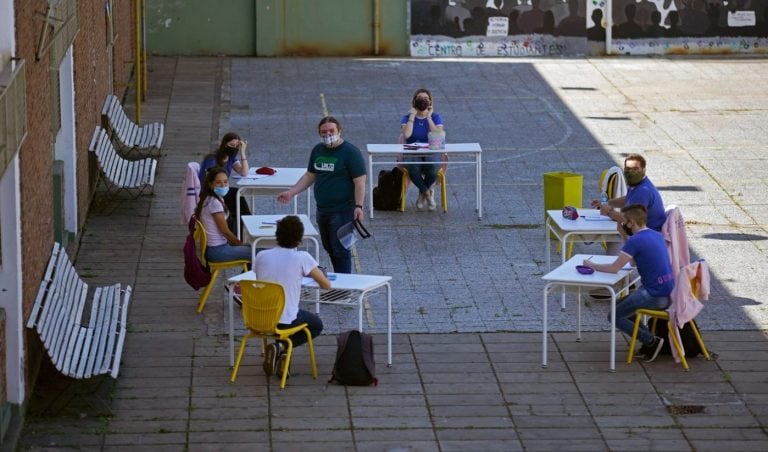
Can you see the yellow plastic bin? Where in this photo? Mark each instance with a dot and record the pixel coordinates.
(561, 189)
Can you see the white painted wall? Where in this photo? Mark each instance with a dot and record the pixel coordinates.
(10, 280)
(64, 147)
(10, 239)
(7, 37)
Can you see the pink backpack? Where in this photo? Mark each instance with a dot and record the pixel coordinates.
(195, 274)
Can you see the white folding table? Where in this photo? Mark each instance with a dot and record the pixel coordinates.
(259, 184)
(396, 150)
(262, 228)
(589, 227)
(566, 275)
(346, 290)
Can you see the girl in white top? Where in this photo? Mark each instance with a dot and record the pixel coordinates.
(222, 245)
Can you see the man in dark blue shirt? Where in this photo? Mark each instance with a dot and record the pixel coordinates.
(641, 191)
(648, 250)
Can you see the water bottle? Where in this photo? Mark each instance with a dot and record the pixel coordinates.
(603, 197)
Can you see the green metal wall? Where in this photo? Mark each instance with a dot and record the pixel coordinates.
(275, 27)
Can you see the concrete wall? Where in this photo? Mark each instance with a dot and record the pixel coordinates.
(435, 28)
(275, 27)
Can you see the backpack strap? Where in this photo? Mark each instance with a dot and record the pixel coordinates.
(341, 344)
(367, 345)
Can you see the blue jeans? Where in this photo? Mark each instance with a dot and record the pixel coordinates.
(423, 175)
(328, 224)
(227, 252)
(626, 307)
(314, 324)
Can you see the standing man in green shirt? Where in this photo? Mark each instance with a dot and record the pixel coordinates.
(337, 170)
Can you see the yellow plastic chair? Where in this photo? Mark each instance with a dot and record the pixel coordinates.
(263, 304)
(440, 180)
(201, 237)
(664, 315)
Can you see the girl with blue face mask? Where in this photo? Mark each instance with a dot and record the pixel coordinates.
(212, 212)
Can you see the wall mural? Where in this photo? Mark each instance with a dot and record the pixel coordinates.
(502, 28)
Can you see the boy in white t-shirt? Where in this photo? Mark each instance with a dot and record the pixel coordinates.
(287, 266)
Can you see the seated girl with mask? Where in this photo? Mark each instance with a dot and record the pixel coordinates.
(230, 155)
(212, 212)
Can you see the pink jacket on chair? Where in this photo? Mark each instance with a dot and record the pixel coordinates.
(685, 301)
(674, 234)
(190, 191)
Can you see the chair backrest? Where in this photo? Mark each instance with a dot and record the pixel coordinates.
(190, 191)
(612, 182)
(263, 304)
(201, 237)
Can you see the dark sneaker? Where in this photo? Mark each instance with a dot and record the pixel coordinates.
(654, 349)
(270, 357)
(280, 365)
(643, 351)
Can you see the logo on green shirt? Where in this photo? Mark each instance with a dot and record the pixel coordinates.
(326, 163)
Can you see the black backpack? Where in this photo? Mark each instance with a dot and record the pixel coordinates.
(687, 336)
(354, 360)
(386, 195)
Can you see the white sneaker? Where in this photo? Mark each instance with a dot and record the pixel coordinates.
(421, 202)
(431, 199)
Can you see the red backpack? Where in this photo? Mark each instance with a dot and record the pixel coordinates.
(195, 274)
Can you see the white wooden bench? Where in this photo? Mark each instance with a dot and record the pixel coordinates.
(77, 349)
(120, 173)
(130, 136)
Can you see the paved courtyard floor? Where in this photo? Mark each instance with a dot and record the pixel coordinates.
(467, 293)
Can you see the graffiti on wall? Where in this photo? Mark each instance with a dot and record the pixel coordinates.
(689, 18)
(500, 28)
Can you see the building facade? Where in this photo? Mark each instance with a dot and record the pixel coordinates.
(58, 61)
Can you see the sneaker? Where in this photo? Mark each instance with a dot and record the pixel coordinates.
(420, 203)
(431, 199)
(643, 352)
(270, 358)
(654, 349)
(280, 365)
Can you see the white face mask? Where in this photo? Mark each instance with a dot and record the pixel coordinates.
(328, 140)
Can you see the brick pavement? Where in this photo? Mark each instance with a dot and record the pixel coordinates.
(475, 381)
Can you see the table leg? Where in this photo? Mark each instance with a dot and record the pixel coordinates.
(370, 186)
(237, 213)
(231, 325)
(479, 187)
(564, 244)
(544, 329)
(317, 247)
(389, 325)
(613, 329)
(578, 315)
(360, 312)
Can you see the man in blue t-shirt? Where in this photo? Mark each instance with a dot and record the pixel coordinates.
(648, 250)
(640, 191)
(337, 170)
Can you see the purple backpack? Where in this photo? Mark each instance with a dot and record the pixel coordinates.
(195, 274)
